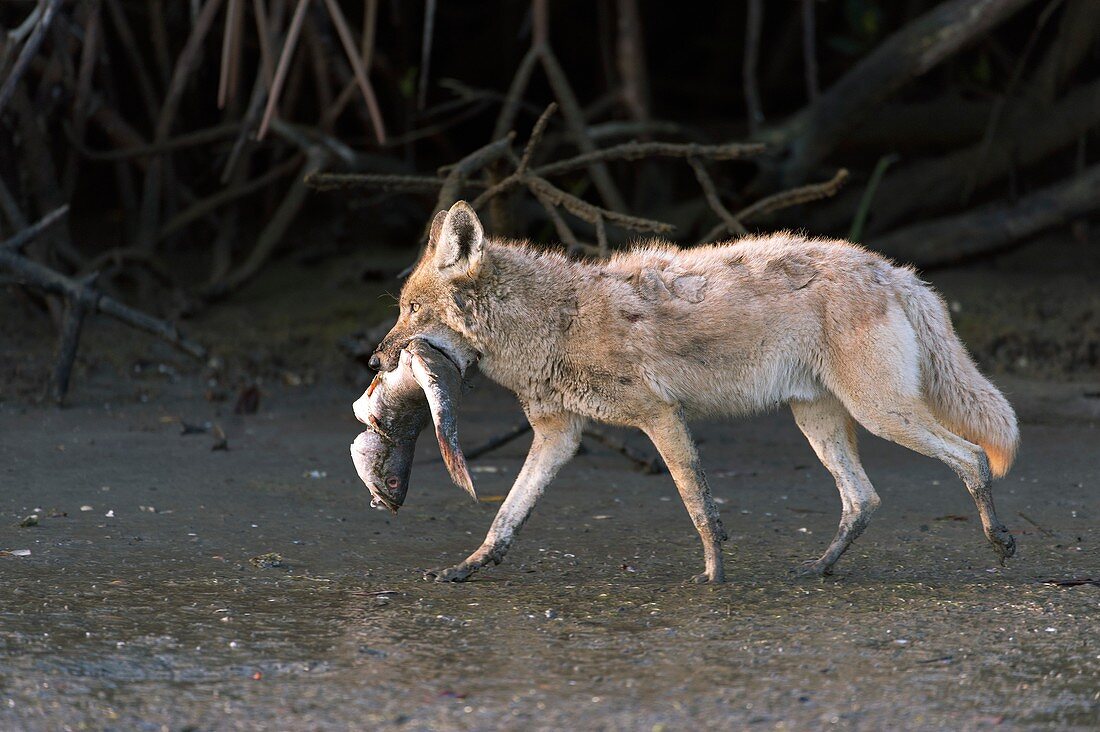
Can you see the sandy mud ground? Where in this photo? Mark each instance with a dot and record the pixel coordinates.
(141, 605)
(147, 601)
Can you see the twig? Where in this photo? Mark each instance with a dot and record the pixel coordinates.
(231, 52)
(753, 24)
(344, 32)
(513, 99)
(855, 233)
(515, 432)
(68, 342)
(189, 55)
(203, 207)
(640, 150)
(536, 137)
(794, 197)
(809, 50)
(289, 45)
(733, 226)
(426, 53)
(82, 298)
(783, 199)
(190, 139)
(649, 463)
(17, 242)
(30, 48)
(1044, 531)
(272, 234)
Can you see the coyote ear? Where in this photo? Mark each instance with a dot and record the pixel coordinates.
(442, 388)
(436, 228)
(460, 243)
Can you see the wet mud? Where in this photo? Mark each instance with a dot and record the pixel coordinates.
(139, 605)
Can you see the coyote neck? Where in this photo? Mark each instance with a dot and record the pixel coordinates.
(519, 314)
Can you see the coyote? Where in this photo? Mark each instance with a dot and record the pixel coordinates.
(658, 335)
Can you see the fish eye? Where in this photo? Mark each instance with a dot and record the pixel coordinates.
(392, 482)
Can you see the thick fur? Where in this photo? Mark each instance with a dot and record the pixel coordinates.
(658, 334)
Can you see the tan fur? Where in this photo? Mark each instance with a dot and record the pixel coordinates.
(659, 334)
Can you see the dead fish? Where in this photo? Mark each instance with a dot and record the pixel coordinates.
(396, 407)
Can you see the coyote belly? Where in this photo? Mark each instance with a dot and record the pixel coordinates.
(658, 335)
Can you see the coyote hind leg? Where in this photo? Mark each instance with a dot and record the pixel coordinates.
(911, 424)
(831, 433)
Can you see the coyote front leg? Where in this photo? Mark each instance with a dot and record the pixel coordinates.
(555, 442)
(670, 436)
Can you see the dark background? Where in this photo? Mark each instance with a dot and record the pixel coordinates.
(145, 119)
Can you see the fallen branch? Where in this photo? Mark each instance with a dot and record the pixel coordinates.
(23, 61)
(650, 463)
(918, 47)
(994, 228)
(80, 298)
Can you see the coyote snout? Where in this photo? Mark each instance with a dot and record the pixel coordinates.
(658, 335)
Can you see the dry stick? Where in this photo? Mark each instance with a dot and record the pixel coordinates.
(151, 192)
(578, 128)
(69, 340)
(519, 430)
(231, 47)
(370, 22)
(809, 50)
(356, 62)
(88, 53)
(732, 225)
(289, 45)
(137, 63)
(11, 208)
(753, 23)
(380, 181)
(650, 463)
(29, 233)
(317, 55)
(212, 203)
(783, 199)
(1002, 100)
(639, 150)
(30, 48)
(272, 234)
(536, 137)
(602, 248)
(189, 139)
(630, 59)
(794, 197)
(425, 53)
(513, 99)
(263, 33)
(566, 234)
(16, 35)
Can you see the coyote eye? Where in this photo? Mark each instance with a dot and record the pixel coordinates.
(414, 306)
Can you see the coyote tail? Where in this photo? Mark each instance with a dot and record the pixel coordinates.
(960, 397)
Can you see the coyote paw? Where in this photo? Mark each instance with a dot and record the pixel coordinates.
(706, 579)
(457, 573)
(813, 568)
(1002, 542)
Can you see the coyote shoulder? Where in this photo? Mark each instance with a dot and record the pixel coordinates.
(658, 335)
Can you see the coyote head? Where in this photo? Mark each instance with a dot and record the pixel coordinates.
(431, 301)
